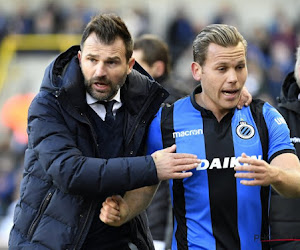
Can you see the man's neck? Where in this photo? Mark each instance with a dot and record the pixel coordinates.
(208, 105)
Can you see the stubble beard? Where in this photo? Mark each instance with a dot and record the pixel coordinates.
(103, 95)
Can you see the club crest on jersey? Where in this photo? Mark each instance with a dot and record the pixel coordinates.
(245, 130)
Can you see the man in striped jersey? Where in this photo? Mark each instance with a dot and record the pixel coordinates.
(224, 205)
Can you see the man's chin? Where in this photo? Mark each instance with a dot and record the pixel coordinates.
(103, 96)
(100, 96)
(231, 105)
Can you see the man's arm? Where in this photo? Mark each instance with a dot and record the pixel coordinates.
(283, 173)
(116, 210)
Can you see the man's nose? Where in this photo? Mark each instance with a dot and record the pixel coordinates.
(232, 76)
(100, 70)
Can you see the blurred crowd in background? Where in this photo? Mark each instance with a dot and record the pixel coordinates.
(271, 50)
(271, 55)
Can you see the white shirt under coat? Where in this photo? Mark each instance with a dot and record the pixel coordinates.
(99, 108)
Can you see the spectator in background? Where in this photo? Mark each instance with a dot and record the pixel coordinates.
(285, 213)
(22, 21)
(180, 34)
(283, 43)
(152, 53)
(137, 20)
(13, 116)
(46, 19)
(76, 18)
(225, 14)
(3, 25)
(282, 62)
(256, 82)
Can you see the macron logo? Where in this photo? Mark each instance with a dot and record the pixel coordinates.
(188, 133)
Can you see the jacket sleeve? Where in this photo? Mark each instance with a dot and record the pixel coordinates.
(53, 146)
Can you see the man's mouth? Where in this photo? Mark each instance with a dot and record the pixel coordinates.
(229, 92)
(101, 85)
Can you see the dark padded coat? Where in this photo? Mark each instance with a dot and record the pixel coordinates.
(63, 178)
(285, 213)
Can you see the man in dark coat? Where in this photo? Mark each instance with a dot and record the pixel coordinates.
(81, 148)
(285, 213)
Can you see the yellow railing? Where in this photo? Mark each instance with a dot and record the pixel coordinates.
(13, 43)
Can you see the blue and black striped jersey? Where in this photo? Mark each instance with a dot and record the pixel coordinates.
(212, 210)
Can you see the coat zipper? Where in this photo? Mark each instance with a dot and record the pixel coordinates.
(39, 215)
(90, 208)
(84, 225)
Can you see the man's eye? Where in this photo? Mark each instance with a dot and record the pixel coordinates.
(111, 62)
(92, 59)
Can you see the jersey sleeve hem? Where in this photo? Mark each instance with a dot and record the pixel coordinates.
(282, 152)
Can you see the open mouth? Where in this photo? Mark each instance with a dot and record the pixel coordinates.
(101, 85)
(230, 92)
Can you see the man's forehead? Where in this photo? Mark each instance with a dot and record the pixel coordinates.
(95, 47)
(217, 52)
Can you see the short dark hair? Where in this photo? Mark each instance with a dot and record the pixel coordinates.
(108, 27)
(220, 34)
(154, 49)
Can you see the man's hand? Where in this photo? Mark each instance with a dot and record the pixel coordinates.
(170, 165)
(245, 99)
(259, 171)
(114, 211)
(283, 173)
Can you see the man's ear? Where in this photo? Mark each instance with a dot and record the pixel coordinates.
(196, 71)
(130, 65)
(159, 68)
(79, 56)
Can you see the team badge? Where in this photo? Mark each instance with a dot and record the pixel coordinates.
(244, 130)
